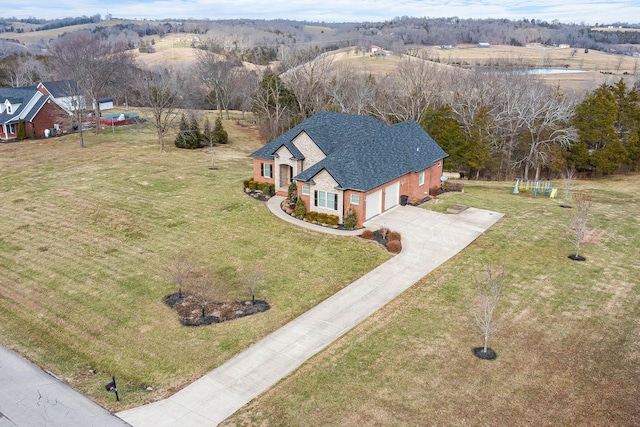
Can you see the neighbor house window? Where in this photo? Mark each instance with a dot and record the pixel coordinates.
(421, 178)
(9, 109)
(12, 129)
(265, 170)
(305, 190)
(355, 199)
(325, 199)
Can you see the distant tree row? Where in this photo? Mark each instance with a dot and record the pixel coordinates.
(493, 124)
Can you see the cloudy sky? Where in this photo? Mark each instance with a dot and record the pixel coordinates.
(587, 11)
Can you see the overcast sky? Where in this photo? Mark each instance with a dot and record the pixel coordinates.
(587, 11)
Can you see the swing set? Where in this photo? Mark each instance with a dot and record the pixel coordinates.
(535, 186)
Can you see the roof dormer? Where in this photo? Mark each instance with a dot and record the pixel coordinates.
(9, 107)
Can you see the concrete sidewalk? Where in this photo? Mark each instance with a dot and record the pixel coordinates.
(31, 397)
(428, 238)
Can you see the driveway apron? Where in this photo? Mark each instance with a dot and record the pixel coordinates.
(428, 239)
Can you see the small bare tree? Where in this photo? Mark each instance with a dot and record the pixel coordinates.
(253, 279)
(204, 286)
(578, 220)
(567, 184)
(179, 270)
(490, 289)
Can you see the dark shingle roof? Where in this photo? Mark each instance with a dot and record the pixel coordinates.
(61, 88)
(19, 97)
(361, 151)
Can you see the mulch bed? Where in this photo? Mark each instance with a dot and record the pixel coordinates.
(258, 195)
(481, 354)
(189, 309)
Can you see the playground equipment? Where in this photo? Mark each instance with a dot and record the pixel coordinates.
(535, 186)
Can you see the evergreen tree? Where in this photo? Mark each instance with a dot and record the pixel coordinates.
(195, 136)
(207, 134)
(608, 124)
(447, 133)
(21, 132)
(183, 132)
(220, 136)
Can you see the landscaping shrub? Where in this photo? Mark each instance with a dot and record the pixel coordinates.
(393, 236)
(394, 246)
(322, 218)
(312, 215)
(266, 188)
(300, 208)
(367, 234)
(292, 191)
(350, 219)
(253, 185)
(246, 182)
(332, 219)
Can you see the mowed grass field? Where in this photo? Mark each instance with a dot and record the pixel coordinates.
(568, 347)
(85, 235)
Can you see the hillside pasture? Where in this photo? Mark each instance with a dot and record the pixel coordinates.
(568, 345)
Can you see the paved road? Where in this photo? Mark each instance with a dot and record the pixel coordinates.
(30, 397)
(428, 238)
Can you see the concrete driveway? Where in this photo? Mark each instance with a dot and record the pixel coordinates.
(428, 238)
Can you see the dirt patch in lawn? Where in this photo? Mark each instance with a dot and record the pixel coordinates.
(193, 311)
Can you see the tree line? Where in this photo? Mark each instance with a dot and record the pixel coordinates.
(494, 124)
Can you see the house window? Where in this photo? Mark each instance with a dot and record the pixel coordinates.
(265, 170)
(421, 178)
(325, 199)
(355, 199)
(305, 190)
(12, 129)
(9, 109)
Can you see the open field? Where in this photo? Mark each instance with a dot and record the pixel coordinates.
(568, 349)
(84, 236)
(596, 67)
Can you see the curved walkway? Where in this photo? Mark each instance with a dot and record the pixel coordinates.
(274, 204)
(428, 238)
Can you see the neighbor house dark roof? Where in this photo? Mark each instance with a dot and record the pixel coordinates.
(61, 88)
(361, 152)
(26, 102)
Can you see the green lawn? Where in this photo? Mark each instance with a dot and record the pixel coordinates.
(85, 235)
(568, 348)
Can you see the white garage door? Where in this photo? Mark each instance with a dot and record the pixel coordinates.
(374, 204)
(391, 195)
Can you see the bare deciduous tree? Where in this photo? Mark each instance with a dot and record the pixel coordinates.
(179, 271)
(546, 115)
(24, 71)
(204, 287)
(92, 63)
(578, 220)
(490, 288)
(308, 82)
(216, 74)
(253, 279)
(157, 91)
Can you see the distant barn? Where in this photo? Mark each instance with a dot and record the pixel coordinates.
(484, 45)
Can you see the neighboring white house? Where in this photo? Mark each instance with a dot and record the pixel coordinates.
(484, 45)
(65, 93)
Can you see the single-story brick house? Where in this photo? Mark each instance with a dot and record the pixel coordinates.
(341, 161)
(36, 110)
